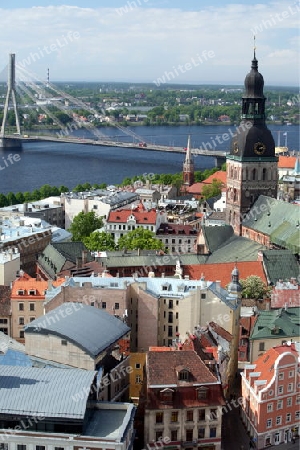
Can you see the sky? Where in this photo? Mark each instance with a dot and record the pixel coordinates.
(154, 41)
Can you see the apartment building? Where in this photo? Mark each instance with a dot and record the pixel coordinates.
(271, 396)
(182, 401)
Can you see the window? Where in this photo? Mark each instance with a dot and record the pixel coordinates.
(170, 317)
(117, 306)
(278, 420)
(158, 435)
(21, 306)
(212, 432)
(31, 319)
(138, 379)
(289, 401)
(261, 346)
(201, 433)
(21, 447)
(174, 416)
(170, 304)
(3, 446)
(202, 393)
(291, 374)
(279, 404)
(280, 389)
(183, 375)
(137, 366)
(201, 414)
(31, 292)
(270, 407)
(297, 399)
(297, 415)
(269, 423)
(203, 296)
(59, 448)
(189, 435)
(288, 417)
(21, 321)
(103, 305)
(64, 342)
(174, 434)
(170, 331)
(40, 447)
(290, 387)
(21, 334)
(159, 417)
(190, 416)
(281, 376)
(21, 292)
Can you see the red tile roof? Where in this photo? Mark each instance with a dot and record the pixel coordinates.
(220, 175)
(222, 271)
(141, 216)
(161, 368)
(29, 284)
(286, 162)
(221, 332)
(265, 363)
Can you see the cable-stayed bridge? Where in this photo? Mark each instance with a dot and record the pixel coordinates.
(28, 86)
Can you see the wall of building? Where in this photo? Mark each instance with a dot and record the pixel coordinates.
(9, 267)
(51, 347)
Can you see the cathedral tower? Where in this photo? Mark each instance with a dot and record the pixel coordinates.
(251, 164)
(188, 166)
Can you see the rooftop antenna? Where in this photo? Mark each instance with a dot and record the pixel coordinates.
(48, 76)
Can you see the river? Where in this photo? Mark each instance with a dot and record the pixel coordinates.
(67, 164)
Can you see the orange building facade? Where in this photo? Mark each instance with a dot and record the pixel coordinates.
(271, 396)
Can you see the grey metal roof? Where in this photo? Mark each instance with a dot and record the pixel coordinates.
(44, 392)
(109, 423)
(90, 328)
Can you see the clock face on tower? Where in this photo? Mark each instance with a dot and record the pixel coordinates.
(259, 148)
(235, 147)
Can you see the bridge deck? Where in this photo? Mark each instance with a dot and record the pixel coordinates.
(110, 143)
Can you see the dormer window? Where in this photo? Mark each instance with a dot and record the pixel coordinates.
(202, 393)
(166, 395)
(21, 292)
(183, 373)
(32, 292)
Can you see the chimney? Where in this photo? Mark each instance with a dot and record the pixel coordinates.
(268, 304)
(50, 287)
(260, 256)
(84, 256)
(218, 285)
(78, 262)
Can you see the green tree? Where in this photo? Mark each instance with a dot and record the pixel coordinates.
(63, 189)
(11, 198)
(20, 197)
(140, 238)
(254, 287)
(213, 189)
(3, 201)
(100, 241)
(84, 224)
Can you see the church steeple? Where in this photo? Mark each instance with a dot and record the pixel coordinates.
(252, 163)
(188, 166)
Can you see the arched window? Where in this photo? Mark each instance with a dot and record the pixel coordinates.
(254, 174)
(264, 174)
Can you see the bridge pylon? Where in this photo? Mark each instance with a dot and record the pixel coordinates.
(8, 142)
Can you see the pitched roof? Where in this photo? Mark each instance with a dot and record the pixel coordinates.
(286, 162)
(215, 237)
(55, 255)
(44, 392)
(32, 284)
(141, 216)
(220, 175)
(265, 363)
(162, 368)
(222, 271)
(277, 324)
(87, 327)
(280, 265)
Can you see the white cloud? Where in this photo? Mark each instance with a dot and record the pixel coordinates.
(144, 43)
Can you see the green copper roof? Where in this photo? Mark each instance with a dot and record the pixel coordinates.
(277, 323)
(277, 219)
(280, 265)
